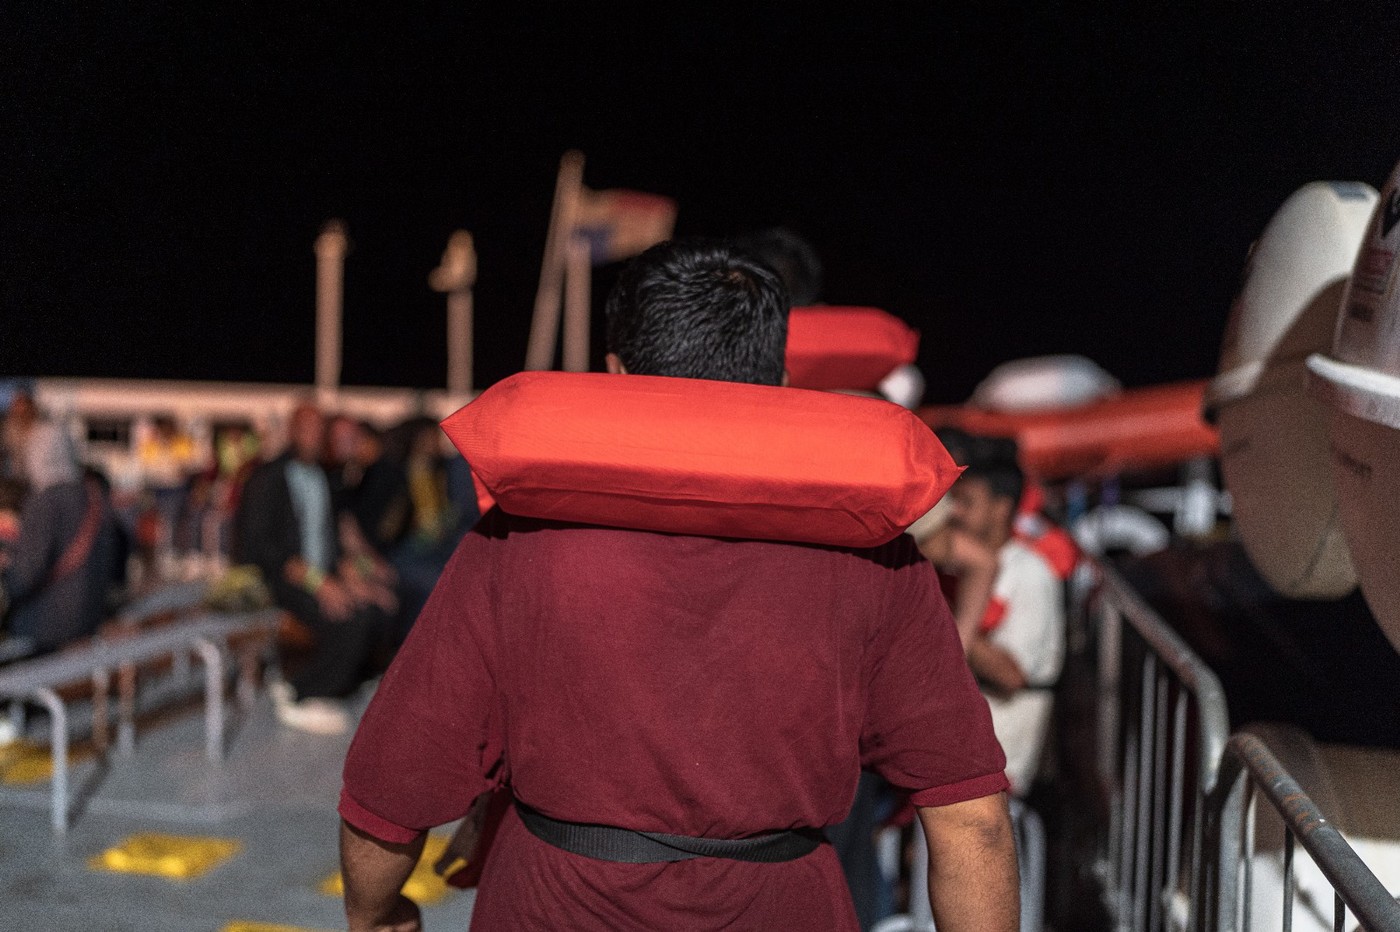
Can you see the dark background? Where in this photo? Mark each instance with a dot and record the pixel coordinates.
(1040, 179)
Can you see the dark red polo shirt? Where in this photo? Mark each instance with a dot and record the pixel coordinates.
(675, 684)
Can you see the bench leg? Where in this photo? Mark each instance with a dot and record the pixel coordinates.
(126, 710)
(213, 658)
(101, 689)
(58, 724)
(248, 676)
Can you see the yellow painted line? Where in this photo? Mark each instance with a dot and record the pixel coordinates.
(423, 886)
(175, 857)
(241, 926)
(24, 762)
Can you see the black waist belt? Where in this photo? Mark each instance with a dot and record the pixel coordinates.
(607, 843)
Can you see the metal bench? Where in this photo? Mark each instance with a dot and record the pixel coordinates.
(42, 680)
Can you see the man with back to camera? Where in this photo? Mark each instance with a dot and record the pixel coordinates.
(1019, 651)
(693, 686)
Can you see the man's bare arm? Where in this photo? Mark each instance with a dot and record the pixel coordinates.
(374, 873)
(995, 666)
(973, 882)
(975, 566)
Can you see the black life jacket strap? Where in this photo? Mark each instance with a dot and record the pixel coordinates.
(607, 843)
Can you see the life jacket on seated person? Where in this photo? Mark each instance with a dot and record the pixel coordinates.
(691, 456)
(1052, 542)
(846, 348)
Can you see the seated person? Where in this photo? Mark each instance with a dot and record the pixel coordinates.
(286, 527)
(57, 576)
(1019, 649)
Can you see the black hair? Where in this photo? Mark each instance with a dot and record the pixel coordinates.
(991, 459)
(792, 257)
(699, 310)
(957, 442)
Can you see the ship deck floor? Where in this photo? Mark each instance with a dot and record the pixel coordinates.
(275, 793)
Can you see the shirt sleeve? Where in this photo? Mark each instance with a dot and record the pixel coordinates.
(431, 740)
(1033, 628)
(927, 728)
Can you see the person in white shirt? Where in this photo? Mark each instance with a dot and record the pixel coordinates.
(1019, 650)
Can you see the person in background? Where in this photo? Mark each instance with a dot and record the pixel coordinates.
(20, 418)
(376, 490)
(338, 457)
(11, 498)
(286, 526)
(63, 564)
(435, 520)
(792, 258)
(1018, 649)
(206, 521)
(169, 459)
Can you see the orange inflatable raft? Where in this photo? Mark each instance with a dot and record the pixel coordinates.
(1140, 428)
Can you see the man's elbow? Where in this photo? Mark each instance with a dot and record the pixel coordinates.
(981, 824)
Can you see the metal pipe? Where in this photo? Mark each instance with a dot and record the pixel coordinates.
(920, 908)
(578, 285)
(101, 712)
(1247, 816)
(213, 658)
(126, 710)
(331, 247)
(58, 788)
(1146, 720)
(1178, 769)
(1287, 880)
(1159, 809)
(1189, 669)
(1352, 880)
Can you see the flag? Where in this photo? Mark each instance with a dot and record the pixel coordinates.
(618, 224)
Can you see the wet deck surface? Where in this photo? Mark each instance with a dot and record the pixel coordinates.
(275, 793)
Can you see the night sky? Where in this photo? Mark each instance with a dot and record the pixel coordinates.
(1031, 181)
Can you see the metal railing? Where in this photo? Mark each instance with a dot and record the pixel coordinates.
(1179, 853)
(41, 681)
(1251, 771)
(1162, 728)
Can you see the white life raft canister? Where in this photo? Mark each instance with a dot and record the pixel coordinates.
(1273, 435)
(1360, 381)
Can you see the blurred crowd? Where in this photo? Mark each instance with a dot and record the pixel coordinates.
(73, 548)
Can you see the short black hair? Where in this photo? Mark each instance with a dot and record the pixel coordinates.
(701, 310)
(991, 459)
(792, 257)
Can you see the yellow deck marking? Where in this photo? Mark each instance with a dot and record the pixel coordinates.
(241, 926)
(176, 857)
(423, 886)
(26, 762)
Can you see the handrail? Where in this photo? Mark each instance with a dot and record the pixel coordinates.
(1154, 716)
(1213, 712)
(1354, 883)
